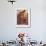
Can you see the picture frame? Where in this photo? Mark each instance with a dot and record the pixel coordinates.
(23, 17)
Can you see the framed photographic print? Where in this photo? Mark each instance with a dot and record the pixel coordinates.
(23, 16)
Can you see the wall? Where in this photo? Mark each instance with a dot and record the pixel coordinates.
(8, 28)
